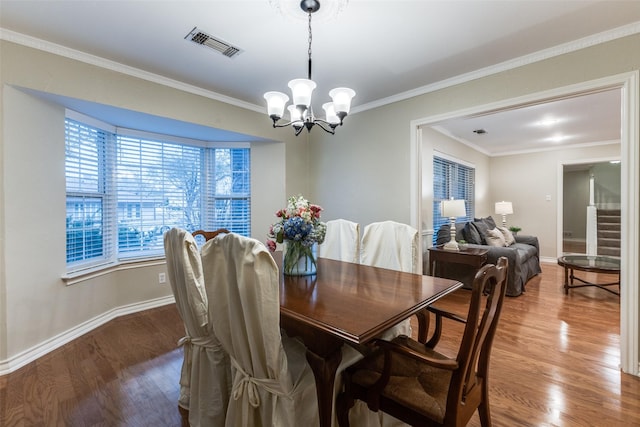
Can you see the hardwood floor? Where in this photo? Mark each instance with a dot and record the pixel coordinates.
(554, 363)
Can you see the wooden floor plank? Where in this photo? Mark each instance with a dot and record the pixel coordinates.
(555, 362)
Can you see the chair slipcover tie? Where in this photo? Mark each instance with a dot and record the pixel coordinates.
(207, 341)
(245, 383)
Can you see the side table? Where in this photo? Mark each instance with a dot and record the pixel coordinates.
(475, 257)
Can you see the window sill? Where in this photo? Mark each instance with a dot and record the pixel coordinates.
(91, 273)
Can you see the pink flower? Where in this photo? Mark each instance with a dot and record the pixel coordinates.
(316, 210)
(271, 245)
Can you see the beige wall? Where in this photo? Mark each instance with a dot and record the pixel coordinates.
(35, 304)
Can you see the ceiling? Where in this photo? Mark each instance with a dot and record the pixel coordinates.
(385, 50)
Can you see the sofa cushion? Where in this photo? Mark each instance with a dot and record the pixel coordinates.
(444, 233)
(495, 237)
(525, 251)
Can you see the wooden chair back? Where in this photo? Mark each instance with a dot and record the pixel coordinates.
(208, 235)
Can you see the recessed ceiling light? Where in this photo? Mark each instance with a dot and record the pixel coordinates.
(547, 122)
(558, 138)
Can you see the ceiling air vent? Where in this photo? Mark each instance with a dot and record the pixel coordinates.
(218, 45)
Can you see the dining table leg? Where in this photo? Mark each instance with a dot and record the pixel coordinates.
(324, 367)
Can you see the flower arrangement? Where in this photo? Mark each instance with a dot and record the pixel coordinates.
(300, 227)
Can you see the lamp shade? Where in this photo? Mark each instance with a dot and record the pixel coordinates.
(504, 208)
(294, 113)
(275, 103)
(301, 90)
(341, 97)
(330, 111)
(452, 208)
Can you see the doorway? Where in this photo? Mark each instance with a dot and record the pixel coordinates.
(630, 191)
(579, 180)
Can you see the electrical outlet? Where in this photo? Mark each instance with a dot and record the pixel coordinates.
(162, 278)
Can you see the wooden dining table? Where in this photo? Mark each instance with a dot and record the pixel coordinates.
(348, 303)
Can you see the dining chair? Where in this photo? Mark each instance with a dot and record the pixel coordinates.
(205, 378)
(273, 384)
(418, 385)
(391, 245)
(342, 241)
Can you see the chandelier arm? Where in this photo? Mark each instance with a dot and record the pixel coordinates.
(322, 125)
(284, 125)
(333, 125)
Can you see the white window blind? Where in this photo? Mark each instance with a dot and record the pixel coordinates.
(228, 200)
(88, 186)
(119, 205)
(158, 187)
(452, 180)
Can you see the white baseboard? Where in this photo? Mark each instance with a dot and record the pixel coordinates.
(39, 350)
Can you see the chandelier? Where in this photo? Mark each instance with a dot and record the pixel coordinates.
(301, 112)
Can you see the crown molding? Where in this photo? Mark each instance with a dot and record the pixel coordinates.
(568, 47)
(557, 148)
(562, 49)
(524, 151)
(66, 52)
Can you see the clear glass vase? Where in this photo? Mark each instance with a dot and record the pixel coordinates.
(298, 259)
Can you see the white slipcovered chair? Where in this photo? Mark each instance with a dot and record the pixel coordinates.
(391, 245)
(205, 379)
(342, 241)
(273, 384)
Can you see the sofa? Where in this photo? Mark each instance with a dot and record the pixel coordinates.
(523, 252)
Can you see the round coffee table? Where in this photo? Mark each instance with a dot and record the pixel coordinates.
(589, 263)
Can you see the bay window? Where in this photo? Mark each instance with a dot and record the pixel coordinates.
(125, 188)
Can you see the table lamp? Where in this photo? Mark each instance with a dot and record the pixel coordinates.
(504, 208)
(452, 209)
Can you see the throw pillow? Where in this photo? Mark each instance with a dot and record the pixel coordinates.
(488, 220)
(483, 230)
(495, 238)
(471, 234)
(508, 236)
